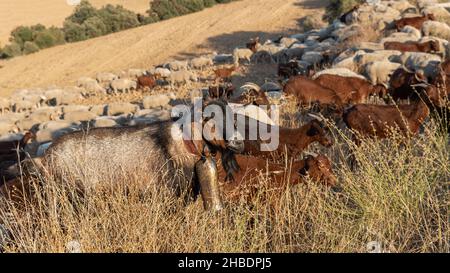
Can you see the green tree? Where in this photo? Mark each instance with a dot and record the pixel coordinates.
(116, 18)
(82, 12)
(11, 50)
(21, 35)
(94, 27)
(30, 47)
(74, 32)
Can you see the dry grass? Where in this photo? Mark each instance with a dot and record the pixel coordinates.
(397, 195)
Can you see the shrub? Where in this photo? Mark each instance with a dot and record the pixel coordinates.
(11, 50)
(116, 18)
(74, 32)
(82, 12)
(337, 7)
(21, 35)
(30, 47)
(45, 39)
(94, 27)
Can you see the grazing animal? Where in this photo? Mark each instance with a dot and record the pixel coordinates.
(292, 141)
(376, 121)
(416, 21)
(160, 150)
(217, 92)
(225, 73)
(308, 91)
(401, 84)
(146, 81)
(247, 181)
(350, 89)
(253, 45)
(431, 46)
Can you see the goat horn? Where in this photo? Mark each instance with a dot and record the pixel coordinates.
(424, 85)
(316, 117)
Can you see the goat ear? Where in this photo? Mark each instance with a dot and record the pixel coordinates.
(312, 131)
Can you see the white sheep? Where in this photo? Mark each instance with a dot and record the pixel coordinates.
(437, 29)
(5, 105)
(380, 72)
(400, 37)
(376, 56)
(73, 108)
(201, 62)
(182, 77)
(79, 116)
(118, 108)
(313, 57)
(99, 110)
(156, 101)
(348, 63)
(102, 122)
(149, 118)
(7, 127)
(344, 72)
(105, 77)
(90, 85)
(23, 106)
(288, 42)
(423, 62)
(123, 85)
(132, 73)
(412, 30)
(177, 65)
(242, 54)
(161, 71)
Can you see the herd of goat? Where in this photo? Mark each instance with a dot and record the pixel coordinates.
(332, 69)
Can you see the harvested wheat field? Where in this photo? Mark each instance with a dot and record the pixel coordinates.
(92, 159)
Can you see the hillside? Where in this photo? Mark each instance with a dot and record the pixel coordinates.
(220, 28)
(49, 12)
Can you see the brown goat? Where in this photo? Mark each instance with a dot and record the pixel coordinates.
(350, 89)
(292, 141)
(247, 180)
(376, 120)
(253, 44)
(225, 73)
(416, 21)
(401, 84)
(308, 91)
(411, 46)
(146, 81)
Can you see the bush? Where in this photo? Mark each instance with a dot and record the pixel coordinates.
(21, 35)
(74, 32)
(11, 50)
(94, 27)
(82, 12)
(116, 18)
(30, 47)
(337, 7)
(166, 9)
(45, 39)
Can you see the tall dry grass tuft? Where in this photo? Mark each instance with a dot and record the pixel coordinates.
(397, 195)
